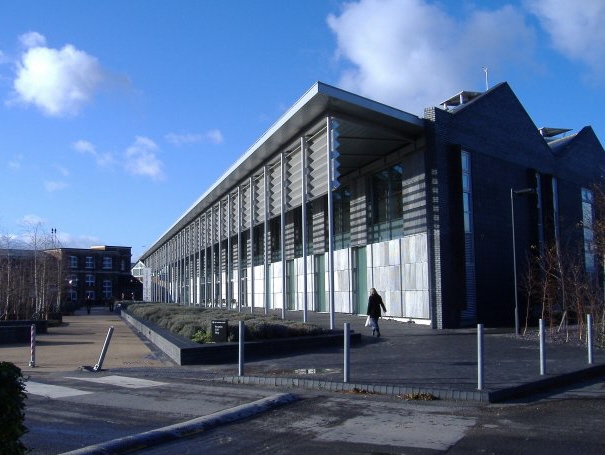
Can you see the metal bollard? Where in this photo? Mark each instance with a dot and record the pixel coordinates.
(479, 356)
(242, 332)
(32, 351)
(542, 358)
(99, 364)
(347, 349)
(589, 338)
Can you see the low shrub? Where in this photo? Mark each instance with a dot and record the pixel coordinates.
(12, 406)
(195, 323)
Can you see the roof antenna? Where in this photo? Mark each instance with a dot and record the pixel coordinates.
(486, 70)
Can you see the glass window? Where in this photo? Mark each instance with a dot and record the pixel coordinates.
(588, 227)
(107, 262)
(107, 289)
(386, 208)
(90, 279)
(467, 208)
(90, 262)
(342, 218)
(73, 262)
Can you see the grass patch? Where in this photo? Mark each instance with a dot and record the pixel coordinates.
(195, 323)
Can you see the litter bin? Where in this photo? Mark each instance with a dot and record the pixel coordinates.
(220, 331)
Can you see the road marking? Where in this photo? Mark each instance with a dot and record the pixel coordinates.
(52, 391)
(122, 381)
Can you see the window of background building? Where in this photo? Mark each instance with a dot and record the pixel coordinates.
(107, 289)
(73, 262)
(90, 295)
(587, 224)
(386, 207)
(90, 262)
(90, 279)
(466, 192)
(107, 262)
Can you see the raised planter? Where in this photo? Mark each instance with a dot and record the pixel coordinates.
(186, 352)
(20, 331)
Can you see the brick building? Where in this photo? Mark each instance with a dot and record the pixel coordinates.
(343, 194)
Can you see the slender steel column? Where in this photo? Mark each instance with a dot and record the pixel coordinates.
(229, 265)
(239, 248)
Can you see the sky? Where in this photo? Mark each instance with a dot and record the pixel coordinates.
(115, 116)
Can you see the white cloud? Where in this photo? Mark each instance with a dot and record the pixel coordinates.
(412, 54)
(576, 30)
(32, 220)
(212, 136)
(57, 81)
(52, 186)
(15, 162)
(103, 159)
(141, 159)
(32, 39)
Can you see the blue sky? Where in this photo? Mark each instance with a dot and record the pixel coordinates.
(116, 116)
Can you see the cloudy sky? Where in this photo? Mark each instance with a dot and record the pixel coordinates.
(116, 116)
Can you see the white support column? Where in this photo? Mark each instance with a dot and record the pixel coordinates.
(303, 170)
(221, 280)
(283, 235)
(251, 244)
(239, 248)
(267, 204)
(330, 221)
(228, 273)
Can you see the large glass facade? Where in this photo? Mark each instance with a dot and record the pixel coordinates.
(342, 218)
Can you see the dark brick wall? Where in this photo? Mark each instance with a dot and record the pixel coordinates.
(506, 152)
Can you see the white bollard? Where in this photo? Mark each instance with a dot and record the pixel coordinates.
(32, 351)
(347, 349)
(479, 356)
(589, 338)
(242, 332)
(99, 364)
(542, 357)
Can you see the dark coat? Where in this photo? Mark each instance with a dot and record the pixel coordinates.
(375, 303)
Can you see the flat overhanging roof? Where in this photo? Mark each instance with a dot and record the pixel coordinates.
(320, 101)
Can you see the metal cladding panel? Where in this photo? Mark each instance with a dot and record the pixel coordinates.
(318, 166)
(293, 179)
(259, 200)
(275, 190)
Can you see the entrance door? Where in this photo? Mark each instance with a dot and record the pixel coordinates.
(359, 280)
(320, 282)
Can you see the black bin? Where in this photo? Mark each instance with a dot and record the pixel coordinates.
(220, 331)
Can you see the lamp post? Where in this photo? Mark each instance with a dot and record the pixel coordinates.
(512, 215)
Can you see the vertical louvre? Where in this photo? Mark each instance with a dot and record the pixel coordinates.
(233, 213)
(246, 210)
(275, 190)
(318, 165)
(259, 200)
(224, 217)
(293, 179)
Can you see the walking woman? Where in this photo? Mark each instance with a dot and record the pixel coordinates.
(375, 304)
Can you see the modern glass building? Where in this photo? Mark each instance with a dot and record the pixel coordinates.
(344, 193)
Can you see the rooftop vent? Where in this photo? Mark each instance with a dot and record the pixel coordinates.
(459, 99)
(550, 133)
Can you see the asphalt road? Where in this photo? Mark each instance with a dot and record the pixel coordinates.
(68, 411)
